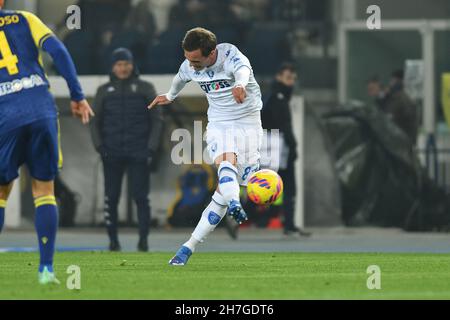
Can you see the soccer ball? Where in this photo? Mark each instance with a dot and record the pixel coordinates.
(264, 187)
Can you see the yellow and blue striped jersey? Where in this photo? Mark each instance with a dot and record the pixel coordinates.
(24, 88)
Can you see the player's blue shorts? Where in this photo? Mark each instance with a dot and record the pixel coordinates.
(36, 145)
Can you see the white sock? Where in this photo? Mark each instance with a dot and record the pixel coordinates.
(211, 217)
(228, 183)
(191, 243)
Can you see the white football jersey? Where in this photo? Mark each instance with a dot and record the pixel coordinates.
(217, 81)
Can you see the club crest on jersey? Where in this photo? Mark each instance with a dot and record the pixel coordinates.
(210, 73)
(209, 86)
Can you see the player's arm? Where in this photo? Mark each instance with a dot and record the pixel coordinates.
(239, 65)
(96, 123)
(45, 39)
(241, 77)
(178, 83)
(156, 123)
(65, 66)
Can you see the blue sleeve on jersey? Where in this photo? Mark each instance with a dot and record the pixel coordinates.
(65, 66)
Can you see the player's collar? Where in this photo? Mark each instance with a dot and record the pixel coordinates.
(217, 59)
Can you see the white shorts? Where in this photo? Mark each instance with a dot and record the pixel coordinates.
(242, 137)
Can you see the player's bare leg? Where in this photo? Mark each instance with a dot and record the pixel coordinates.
(5, 190)
(46, 223)
(42, 188)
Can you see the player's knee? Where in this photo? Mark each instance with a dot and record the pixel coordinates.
(219, 199)
(3, 193)
(5, 190)
(226, 157)
(226, 166)
(227, 172)
(42, 188)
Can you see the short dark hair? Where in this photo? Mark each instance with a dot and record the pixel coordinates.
(199, 38)
(286, 66)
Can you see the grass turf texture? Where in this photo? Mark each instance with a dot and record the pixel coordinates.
(107, 275)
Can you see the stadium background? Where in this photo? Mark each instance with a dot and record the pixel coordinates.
(309, 33)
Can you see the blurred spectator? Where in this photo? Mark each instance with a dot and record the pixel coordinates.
(223, 18)
(221, 14)
(276, 114)
(136, 34)
(396, 103)
(286, 10)
(76, 43)
(265, 45)
(141, 19)
(375, 90)
(97, 14)
(110, 24)
(187, 14)
(107, 25)
(100, 13)
(126, 135)
(252, 10)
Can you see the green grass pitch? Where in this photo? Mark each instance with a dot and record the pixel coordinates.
(107, 275)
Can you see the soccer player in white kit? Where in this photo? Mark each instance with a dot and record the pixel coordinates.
(234, 130)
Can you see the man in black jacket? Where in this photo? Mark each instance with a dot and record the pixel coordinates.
(394, 101)
(126, 135)
(277, 115)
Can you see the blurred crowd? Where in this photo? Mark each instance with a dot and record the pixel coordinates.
(255, 26)
(395, 102)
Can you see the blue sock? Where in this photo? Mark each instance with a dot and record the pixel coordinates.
(2, 213)
(46, 223)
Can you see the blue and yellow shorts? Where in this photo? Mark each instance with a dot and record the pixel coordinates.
(36, 145)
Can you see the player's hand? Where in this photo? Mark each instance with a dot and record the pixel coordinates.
(239, 94)
(160, 100)
(82, 110)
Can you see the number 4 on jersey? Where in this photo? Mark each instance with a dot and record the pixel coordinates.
(8, 59)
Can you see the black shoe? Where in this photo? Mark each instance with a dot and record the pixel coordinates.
(114, 246)
(232, 227)
(142, 245)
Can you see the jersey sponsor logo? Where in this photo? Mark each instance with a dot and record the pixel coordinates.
(21, 84)
(210, 73)
(209, 86)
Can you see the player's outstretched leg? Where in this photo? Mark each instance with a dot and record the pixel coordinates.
(46, 223)
(229, 188)
(211, 217)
